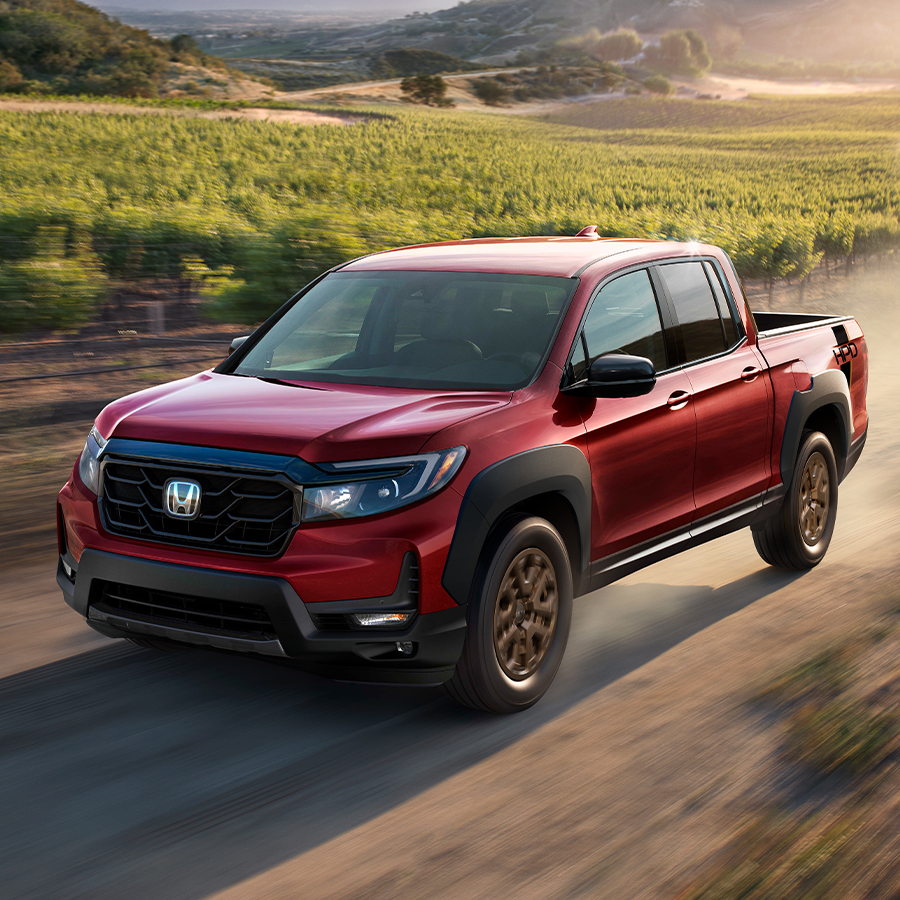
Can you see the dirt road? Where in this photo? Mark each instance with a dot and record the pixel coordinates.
(135, 774)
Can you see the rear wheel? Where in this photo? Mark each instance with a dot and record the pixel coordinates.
(517, 622)
(798, 535)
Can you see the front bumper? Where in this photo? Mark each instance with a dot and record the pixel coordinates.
(431, 644)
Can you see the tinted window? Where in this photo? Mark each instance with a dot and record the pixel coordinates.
(695, 308)
(624, 318)
(731, 334)
(415, 329)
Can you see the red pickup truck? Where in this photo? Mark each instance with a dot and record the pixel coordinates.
(409, 471)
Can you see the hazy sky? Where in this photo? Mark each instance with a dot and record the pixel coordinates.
(387, 7)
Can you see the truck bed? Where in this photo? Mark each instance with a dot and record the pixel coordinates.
(770, 323)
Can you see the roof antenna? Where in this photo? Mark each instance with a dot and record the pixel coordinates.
(588, 231)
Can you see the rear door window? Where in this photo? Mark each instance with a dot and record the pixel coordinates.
(695, 309)
(731, 333)
(624, 318)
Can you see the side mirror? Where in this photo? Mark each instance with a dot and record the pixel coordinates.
(616, 375)
(237, 343)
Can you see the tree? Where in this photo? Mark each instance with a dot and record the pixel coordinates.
(615, 46)
(680, 52)
(490, 91)
(428, 89)
(186, 49)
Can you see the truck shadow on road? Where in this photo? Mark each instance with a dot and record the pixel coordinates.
(147, 774)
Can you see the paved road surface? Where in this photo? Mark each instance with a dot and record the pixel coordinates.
(130, 773)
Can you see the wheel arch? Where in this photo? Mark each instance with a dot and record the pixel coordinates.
(824, 407)
(553, 483)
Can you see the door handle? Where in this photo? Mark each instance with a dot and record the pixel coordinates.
(750, 373)
(678, 400)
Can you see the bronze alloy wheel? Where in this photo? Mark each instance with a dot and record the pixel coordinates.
(798, 534)
(814, 496)
(525, 614)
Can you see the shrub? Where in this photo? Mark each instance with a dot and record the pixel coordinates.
(53, 289)
(658, 84)
(268, 271)
(10, 76)
(490, 91)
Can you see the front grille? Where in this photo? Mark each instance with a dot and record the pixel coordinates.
(225, 617)
(240, 512)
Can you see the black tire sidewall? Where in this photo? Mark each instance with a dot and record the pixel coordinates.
(500, 692)
(813, 442)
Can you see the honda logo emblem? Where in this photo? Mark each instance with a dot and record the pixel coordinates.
(182, 499)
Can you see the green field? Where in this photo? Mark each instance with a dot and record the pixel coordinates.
(264, 206)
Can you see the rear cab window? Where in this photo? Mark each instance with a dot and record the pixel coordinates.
(705, 317)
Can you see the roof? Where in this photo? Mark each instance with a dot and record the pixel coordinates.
(560, 256)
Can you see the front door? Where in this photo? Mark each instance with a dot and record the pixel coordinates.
(641, 448)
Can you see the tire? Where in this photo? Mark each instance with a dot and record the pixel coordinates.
(518, 620)
(149, 643)
(799, 534)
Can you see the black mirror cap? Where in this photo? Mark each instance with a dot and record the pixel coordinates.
(236, 343)
(617, 367)
(616, 375)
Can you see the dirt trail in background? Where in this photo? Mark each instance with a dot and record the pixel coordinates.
(194, 775)
(732, 87)
(724, 87)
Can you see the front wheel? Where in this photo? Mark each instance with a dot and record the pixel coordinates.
(517, 622)
(799, 534)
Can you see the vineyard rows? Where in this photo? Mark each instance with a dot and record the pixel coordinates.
(254, 209)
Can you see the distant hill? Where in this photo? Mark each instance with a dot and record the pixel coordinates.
(488, 31)
(63, 46)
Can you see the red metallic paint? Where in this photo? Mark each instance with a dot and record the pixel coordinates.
(732, 400)
(320, 422)
(645, 459)
(642, 463)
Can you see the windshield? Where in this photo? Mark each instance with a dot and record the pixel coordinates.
(415, 329)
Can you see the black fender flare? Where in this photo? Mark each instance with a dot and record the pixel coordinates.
(828, 388)
(558, 469)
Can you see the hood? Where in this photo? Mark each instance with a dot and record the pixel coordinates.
(320, 423)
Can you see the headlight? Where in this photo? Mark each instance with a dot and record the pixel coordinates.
(381, 485)
(89, 462)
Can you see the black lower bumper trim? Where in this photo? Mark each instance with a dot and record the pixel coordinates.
(425, 652)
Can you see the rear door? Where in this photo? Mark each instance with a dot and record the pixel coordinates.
(641, 448)
(729, 384)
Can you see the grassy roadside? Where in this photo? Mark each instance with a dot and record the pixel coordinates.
(831, 833)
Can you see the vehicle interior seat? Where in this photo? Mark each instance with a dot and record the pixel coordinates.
(443, 327)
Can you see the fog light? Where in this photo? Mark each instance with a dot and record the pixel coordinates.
(382, 618)
(405, 647)
(70, 572)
